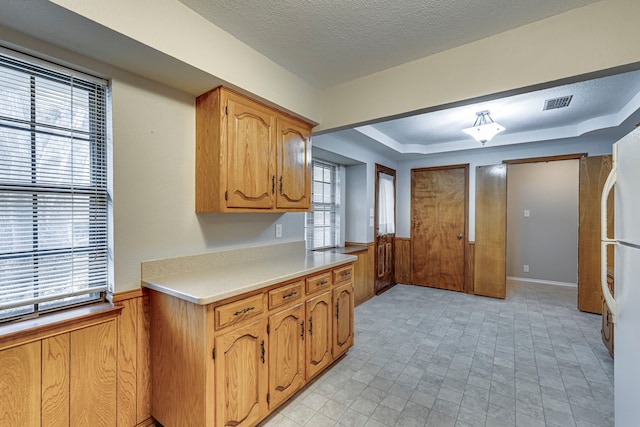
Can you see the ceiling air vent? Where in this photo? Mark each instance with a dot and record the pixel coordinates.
(555, 103)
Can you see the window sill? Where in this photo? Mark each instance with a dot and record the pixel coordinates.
(23, 332)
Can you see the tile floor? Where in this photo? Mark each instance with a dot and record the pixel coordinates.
(427, 357)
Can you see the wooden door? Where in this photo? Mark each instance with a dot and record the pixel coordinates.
(438, 226)
(593, 174)
(342, 319)
(491, 231)
(384, 259)
(294, 165)
(251, 133)
(318, 340)
(241, 376)
(286, 354)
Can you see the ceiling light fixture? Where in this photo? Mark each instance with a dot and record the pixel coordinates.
(484, 128)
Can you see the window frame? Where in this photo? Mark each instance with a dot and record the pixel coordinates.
(92, 198)
(333, 207)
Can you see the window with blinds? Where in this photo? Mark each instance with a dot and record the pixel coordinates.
(53, 187)
(322, 223)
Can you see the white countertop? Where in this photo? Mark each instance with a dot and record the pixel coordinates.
(215, 284)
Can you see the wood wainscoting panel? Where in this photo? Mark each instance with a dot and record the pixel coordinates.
(19, 371)
(55, 380)
(593, 174)
(403, 260)
(491, 231)
(143, 388)
(127, 363)
(470, 267)
(92, 376)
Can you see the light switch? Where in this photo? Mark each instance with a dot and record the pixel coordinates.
(371, 212)
(525, 268)
(278, 230)
(527, 214)
(370, 222)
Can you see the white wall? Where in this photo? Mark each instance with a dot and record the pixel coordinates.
(546, 240)
(357, 210)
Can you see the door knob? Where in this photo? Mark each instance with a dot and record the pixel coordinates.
(459, 236)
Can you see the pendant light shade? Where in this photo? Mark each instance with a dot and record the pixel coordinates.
(484, 128)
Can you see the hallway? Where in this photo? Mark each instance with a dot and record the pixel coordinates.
(425, 356)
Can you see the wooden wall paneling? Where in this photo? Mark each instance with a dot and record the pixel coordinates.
(127, 363)
(491, 231)
(470, 268)
(55, 381)
(360, 289)
(371, 269)
(20, 401)
(179, 359)
(403, 260)
(92, 376)
(593, 174)
(143, 373)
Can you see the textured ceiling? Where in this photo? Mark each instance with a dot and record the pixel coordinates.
(327, 42)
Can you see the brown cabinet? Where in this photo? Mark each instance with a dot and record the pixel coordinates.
(232, 362)
(250, 157)
(607, 325)
(318, 345)
(286, 354)
(342, 319)
(241, 375)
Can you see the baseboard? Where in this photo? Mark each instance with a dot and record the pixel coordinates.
(542, 282)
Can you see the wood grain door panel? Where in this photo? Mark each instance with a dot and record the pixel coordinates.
(318, 342)
(250, 155)
(343, 319)
(593, 174)
(438, 227)
(286, 354)
(491, 231)
(294, 165)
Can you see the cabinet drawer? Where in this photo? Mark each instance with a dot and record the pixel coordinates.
(319, 282)
(237, 311)
(285, 294)
(343, 274)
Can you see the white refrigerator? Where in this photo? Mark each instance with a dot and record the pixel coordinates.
(625, 181)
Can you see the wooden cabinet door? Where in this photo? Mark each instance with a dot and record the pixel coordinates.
(286, 354)
(294, 165)
(318, 342)
(241, 376)
(491, 231)
(250, 152)
(342, 319)
(20, 379)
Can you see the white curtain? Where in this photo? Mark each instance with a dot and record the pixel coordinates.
(386, 204)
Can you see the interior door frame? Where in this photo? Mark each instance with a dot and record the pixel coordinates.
(465, 249)
(389, 171)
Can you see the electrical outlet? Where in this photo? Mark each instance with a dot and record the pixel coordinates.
(278, 231)
(527, 214)
(526, 268)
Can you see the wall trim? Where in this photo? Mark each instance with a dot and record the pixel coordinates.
(542, 282)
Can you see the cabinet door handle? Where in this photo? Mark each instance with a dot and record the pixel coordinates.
(273, 184)
(310, 325)
(280, 184)
(337, 310)
(290, 294)
(324, 282)
(302, 330)
(262, 355)
(246, 310)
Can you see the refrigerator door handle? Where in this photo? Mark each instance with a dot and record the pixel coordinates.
(605, 240)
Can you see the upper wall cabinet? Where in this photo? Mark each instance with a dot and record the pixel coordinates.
(250, 157)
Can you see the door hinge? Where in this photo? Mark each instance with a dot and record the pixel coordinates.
(268, 328)
(226, 195)
(268, 398)
(213, 353)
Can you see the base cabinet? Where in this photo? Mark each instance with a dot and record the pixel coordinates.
(286, 354)
(318, 343)
(233, 362)
(342, 319)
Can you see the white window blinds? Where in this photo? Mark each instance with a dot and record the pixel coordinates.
(322, 223)
(53, 187)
